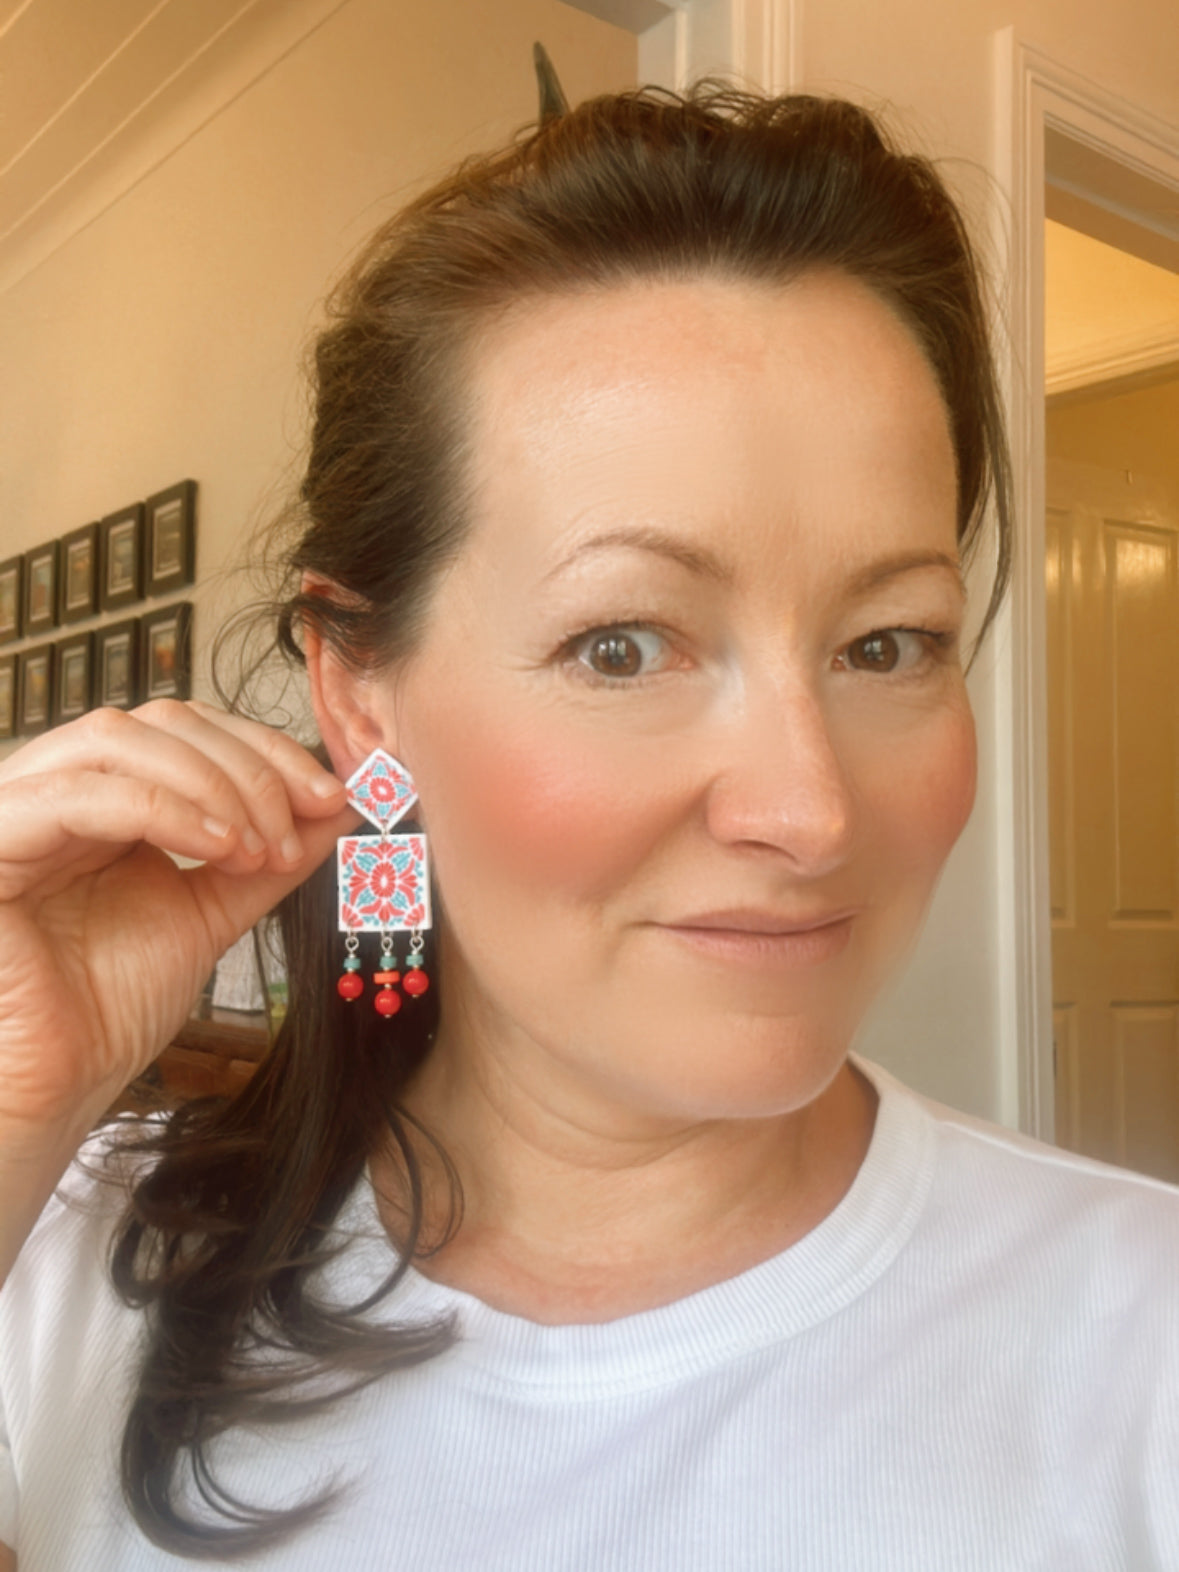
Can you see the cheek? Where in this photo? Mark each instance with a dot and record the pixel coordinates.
(534, 810)
(924, 804)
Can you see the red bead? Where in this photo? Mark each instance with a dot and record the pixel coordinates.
(388, 1002)
(350, 986)
(415, 982)
(386, 979)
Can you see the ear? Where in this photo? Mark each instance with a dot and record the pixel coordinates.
(354, 712)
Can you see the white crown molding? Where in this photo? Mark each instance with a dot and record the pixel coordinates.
(1108, 362)
(1118, 148)
(219, 70)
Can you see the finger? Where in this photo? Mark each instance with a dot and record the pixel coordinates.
(277, 779)
(48, 820)
(240, 900)
(122, 744)
(164, 743)
(314, 790)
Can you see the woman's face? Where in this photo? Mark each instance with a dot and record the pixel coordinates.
(688, 720)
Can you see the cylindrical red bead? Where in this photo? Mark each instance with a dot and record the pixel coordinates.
(387, 1001)
(350, 986)
(415, 982)
(386, 979)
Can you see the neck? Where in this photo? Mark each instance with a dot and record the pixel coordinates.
(576, 1211)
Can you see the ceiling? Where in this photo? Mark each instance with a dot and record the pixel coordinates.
(1107, 314)
(95, 93)
(75, 74)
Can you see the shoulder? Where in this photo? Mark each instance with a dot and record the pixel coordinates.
(1025, 1207)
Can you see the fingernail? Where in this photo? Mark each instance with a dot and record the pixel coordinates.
(292, 848)
(326, 786)
(252, 841)
(217, 828)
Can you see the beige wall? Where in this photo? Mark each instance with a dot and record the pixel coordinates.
(163, 340)
(1138, 431)
(932, 58)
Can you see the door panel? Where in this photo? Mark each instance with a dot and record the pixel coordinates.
(1112, 575)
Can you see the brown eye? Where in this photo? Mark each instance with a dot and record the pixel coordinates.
(615, 655)
(876, 652)
(623, 652)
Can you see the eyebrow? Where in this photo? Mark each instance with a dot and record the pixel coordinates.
(706, 564)
(697, 559)
(886, 568)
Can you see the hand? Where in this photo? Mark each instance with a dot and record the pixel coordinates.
(104, 941)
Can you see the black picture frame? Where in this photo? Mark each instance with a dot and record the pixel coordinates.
(34, 690)
(77, 596)
(40, 589)
(12, 592)
(165, 652)
(73, 677)
(116, 665)
(169, 539)
(8, 678)
(120, 558)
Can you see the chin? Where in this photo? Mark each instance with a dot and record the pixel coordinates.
(746, 1067)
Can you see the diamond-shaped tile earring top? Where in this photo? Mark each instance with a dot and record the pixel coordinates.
(382, 789)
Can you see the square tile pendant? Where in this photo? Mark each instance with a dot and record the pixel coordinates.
(384, 883)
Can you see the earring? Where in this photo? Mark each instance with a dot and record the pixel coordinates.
(384, 882)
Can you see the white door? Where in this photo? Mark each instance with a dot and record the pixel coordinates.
(1113, 665)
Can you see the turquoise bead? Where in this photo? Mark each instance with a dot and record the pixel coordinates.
(352, 963)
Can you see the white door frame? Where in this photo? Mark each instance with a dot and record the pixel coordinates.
(1036, 95)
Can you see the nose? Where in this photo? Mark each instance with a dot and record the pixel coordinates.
(779, 782)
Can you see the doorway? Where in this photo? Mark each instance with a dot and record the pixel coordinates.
(1112, 632)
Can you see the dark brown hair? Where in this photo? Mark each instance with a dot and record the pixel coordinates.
(236, 1213)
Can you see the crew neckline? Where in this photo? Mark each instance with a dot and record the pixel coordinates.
(819, 1274)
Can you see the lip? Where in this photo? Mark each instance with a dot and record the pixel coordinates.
(764, 937)
(753, 920)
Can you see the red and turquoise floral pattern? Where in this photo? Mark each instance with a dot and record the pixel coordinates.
(384, 883)
(382, 789)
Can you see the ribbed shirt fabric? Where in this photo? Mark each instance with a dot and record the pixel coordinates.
(972, 1363)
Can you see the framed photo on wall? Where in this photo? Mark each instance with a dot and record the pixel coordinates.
(11, 595)
(116, 665)
(40, 591)
(73, 688)
(78, 597)
(165, 659)
(120, 558)
(7, 696)
(34, 697)
(169, 548)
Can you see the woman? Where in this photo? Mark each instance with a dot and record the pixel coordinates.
(647, 458)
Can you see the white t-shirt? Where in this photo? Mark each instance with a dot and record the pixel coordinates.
(972, 1365)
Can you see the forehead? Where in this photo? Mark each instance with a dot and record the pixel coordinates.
(805, 410)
